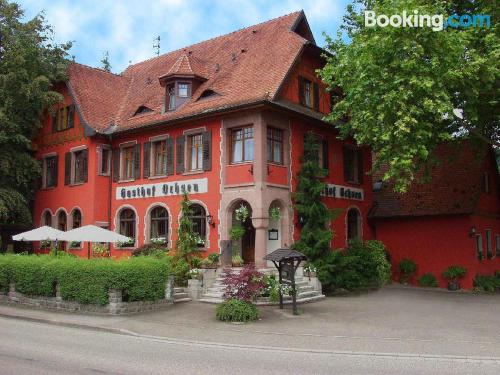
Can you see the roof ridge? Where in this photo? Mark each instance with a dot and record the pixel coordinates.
(98, 69)
(213, 38)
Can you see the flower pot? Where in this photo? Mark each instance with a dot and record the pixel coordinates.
(453, 286)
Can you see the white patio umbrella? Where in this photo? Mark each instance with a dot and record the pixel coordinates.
(44, 233)
(92, 233)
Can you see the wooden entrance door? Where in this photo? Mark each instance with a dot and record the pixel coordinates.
(248, 243)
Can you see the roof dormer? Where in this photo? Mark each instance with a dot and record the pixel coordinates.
(183, 78)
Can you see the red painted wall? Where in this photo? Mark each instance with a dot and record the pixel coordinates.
(435, 243)
(306, 67)
(277, 174)
(211, 199)
(65, 197)
(335, 176)
(239, 173)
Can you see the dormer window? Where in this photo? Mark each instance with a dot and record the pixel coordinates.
(171, 96)
(183, 90)
(308, 93)
(142, 109)
(182, 79)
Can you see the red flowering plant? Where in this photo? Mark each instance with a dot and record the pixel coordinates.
(245, 285)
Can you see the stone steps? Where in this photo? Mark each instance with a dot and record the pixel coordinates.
(305, 292)
(180, 295)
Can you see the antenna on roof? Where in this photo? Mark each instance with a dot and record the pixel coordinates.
(157, 46)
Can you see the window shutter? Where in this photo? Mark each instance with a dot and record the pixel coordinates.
(116, 165)
(71, 116)
(316, 96)
(207, 151)
(56, 169)
(326, 164)
(179, 165)
(301, 91)
(67, 168)
(361, 172)
(347, 163)
(54, 122)
(170, 155)
(147, 157)
(137, 161)
(85, 157)
(39, 183)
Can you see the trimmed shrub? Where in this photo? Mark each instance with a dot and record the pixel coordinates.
(142, 278)
(428, 280)
(4, 273)
(361, 266)
(407, 268)
(86, 281)
(235, 310)
(488, 283)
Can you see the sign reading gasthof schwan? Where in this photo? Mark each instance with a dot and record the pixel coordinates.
(162, 189)
(343, 192)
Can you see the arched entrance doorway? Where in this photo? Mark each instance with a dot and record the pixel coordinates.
(275, 229)
(242, 232)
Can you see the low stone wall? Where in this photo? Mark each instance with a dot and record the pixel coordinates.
(116, 305)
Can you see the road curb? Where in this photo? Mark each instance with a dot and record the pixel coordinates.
(60, 323)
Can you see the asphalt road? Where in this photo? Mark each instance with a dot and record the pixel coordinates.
(36, 348)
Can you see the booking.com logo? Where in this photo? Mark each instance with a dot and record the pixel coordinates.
(436, 21)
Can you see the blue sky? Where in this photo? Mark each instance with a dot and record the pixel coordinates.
(127, 28)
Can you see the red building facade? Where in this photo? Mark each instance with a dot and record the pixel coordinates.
(223, 120)
(453, 220)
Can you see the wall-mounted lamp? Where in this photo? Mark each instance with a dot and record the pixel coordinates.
(472, 231)
(210, 220)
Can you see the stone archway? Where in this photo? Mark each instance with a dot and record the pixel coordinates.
(245, 245)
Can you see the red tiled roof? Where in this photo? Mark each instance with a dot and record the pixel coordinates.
(187, 66)
(242, 67)
(454, 188)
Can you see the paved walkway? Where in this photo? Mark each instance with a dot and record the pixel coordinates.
(401, 321)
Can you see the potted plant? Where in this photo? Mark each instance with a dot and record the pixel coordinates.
(310, 271)
(195, 274)
(453, 274)
(407, 268)
(275, 213)
(237, 261)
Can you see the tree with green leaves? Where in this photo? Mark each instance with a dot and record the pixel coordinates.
(187, 239)
(404, 90)
(315, 236)
(106, 65)
(30, 62)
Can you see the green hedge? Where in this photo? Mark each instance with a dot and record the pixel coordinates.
(364, 265)
(86, 281)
